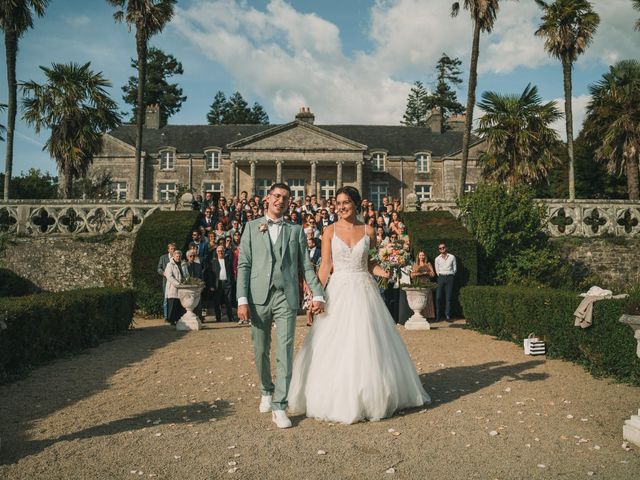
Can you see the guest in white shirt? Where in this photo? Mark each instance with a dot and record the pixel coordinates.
(446, 268)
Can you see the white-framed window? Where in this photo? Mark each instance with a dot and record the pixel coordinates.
(167, 160)
(470, 187)
(378, 162)
(327, 189)
(423, 163)
(423, 192)
(213, 187)
(377, 191)
(212, 160)
(167, 191)
(262, 187)
(297, 188)
(119, 190)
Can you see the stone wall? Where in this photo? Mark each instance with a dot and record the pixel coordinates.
(58, 263)
(615, 262)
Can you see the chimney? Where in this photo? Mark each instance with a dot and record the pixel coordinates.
(434, 122)
(456, 123)
(152, 116)
(305, 115)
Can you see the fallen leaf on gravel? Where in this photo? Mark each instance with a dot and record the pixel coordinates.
(458, 411)
(231, 447)
(569, 416)
(228, 358)
(321, 452)
(158, 434)
(596, 447)
(468, 445)
(232, 470)
(453, 433)
(391, 430)
(528, 445)
(508, 389)
(390, 470)
(232, 463)
(176, 457)
(133, 471)
(625, 446)
(591, 474)
(493, 433)
(584, 419)
(396, 434)
(236, 455)
(542, 465)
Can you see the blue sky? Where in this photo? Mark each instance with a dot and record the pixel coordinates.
(350, 61)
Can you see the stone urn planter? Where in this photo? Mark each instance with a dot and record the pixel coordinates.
(189, 295)
(417, 300)
(631, 427)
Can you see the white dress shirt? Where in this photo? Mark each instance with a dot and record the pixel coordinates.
(446, 265)
(223, 270)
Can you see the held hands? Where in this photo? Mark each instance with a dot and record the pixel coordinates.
(317, 307)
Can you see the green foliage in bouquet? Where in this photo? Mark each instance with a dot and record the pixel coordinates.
(157, 231)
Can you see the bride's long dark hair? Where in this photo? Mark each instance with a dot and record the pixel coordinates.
(353, 194)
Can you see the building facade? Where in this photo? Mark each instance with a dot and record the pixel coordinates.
(312, 159)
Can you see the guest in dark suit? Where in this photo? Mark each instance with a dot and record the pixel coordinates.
(314, 251)
(220, 282)
(208, 223)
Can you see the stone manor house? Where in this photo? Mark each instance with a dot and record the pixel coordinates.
(312, 159)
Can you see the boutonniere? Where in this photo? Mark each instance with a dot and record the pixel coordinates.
(262, 227)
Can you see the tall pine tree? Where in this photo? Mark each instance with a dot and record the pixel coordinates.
(160, 67)
(415, 114)
(235, 111)
(444, 98)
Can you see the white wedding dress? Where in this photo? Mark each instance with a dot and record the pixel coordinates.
(353, 364)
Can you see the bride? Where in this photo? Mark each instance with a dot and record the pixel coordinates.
(353, 365)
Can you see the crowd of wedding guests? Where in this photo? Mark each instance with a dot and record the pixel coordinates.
(212, 254)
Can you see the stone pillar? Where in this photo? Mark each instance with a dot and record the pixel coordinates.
(232, 178)
(252, 165)
(339, 175)
(359, 177)
(631, 427)
(279, 171)
(314, 180)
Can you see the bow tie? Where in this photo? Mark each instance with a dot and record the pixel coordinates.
(274, 222)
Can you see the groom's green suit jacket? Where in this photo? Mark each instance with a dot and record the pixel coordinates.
(256, 263)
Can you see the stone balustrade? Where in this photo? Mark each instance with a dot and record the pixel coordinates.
(579, 218)
(72, 217)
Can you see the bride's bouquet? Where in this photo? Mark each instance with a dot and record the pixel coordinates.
(391, 256)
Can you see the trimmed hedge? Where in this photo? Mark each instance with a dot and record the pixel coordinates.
(606, 348)
(157, 231)
(428, 229)
(13, 285)
(43, 326)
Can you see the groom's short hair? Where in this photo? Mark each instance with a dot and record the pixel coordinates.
(283, 186)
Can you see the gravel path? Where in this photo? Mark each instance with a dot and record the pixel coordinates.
(156, 403)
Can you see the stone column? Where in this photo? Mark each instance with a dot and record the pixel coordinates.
(279, 171)
(631, 427)
(232, 178)
(314, 180)
(252, 165)
(339, 175)
(359, 177)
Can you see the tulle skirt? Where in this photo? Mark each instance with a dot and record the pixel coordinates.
(353, 364)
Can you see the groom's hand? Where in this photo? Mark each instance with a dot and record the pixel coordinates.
(317, 307)
(243, 313)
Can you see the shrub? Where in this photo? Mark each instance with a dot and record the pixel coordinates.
(157, 231)
(606, 348)
(13, 285)
(428, 229)
(43, 326)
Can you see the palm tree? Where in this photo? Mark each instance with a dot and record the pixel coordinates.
(483, 15)
(75, 106)
(16, 17)
(148, 17)
(636, 5)
(612, 123)
(568, 27)
(521, 141)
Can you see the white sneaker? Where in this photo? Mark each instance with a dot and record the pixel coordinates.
(280, 419)
(265, 404)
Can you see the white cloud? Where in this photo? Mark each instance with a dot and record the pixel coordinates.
(289, 59)
(77, 21)
(579, 111)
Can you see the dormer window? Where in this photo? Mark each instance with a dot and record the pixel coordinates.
(212, 160)
(423, 163)
(167, 159)
(378, 162)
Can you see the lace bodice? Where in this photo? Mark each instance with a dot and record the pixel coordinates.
(345, 259)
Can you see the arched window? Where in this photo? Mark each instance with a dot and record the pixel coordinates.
(423, 163)
(167, 159)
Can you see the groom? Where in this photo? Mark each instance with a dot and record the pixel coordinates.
(272, 254)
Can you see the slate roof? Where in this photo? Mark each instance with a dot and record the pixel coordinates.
(396, 139)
